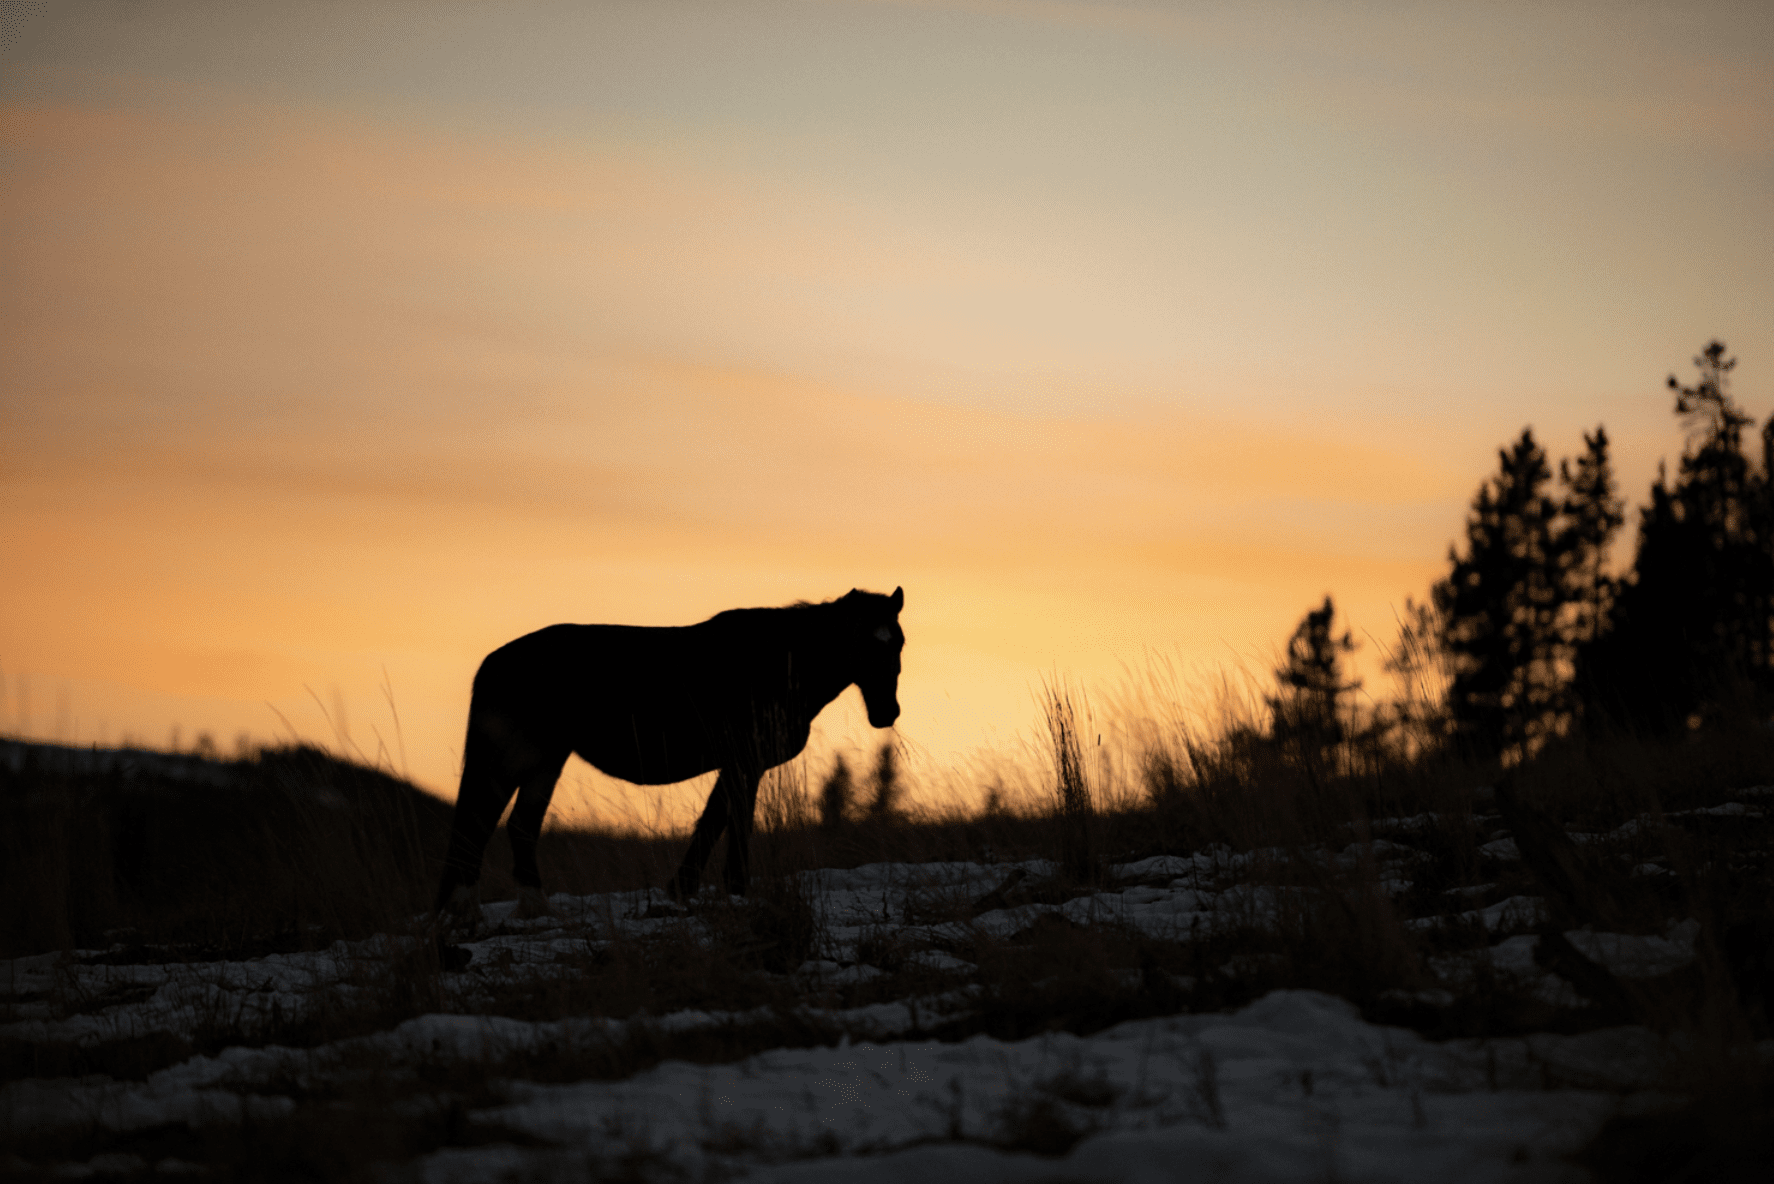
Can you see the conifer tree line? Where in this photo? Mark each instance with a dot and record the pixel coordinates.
(1530, 634)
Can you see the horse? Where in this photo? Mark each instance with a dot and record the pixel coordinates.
(656, 706)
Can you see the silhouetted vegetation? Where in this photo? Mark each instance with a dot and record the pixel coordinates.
(1581, 696)
(1591, 512)
(1307, 714)
(884, 801)
(834, 796)
(1690, 635)
(1499, 604)
(1074, 808)
(1539, 641)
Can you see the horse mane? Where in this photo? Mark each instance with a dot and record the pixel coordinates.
(850, 599)
(800, 613)
(852, 596)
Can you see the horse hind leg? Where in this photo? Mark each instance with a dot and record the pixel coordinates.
(485, 789)
(524, 828)
(708, 830)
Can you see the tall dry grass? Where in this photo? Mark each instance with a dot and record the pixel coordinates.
(1074, 806)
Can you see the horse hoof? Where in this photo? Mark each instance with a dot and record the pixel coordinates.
(531, 903)
(462, 914)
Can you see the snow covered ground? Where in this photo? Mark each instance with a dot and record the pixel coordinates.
(1294, 1085)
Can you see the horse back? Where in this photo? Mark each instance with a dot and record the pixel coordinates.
(584, 664)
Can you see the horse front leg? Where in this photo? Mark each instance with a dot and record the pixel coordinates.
(524, 828)
(716, 816)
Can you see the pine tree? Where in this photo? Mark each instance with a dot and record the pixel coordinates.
(1589, 515)
(1695, 618)
(834, 797)
(1588, 518)
(1307, 719)
(886, 796)
(1500, 607)
(1420, 665)
(1761, 524)
(1717, 490)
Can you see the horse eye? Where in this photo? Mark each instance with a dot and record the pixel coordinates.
(883, 634)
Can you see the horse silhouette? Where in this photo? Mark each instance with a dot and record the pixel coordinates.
(655, 706)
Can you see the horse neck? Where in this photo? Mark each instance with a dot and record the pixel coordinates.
(816, 677)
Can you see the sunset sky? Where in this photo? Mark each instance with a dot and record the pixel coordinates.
(341, 343)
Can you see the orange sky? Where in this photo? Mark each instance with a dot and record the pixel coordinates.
(339, 348)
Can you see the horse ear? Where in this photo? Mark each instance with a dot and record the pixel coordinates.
(898, 599)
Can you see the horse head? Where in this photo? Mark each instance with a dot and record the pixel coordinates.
(877, 640)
